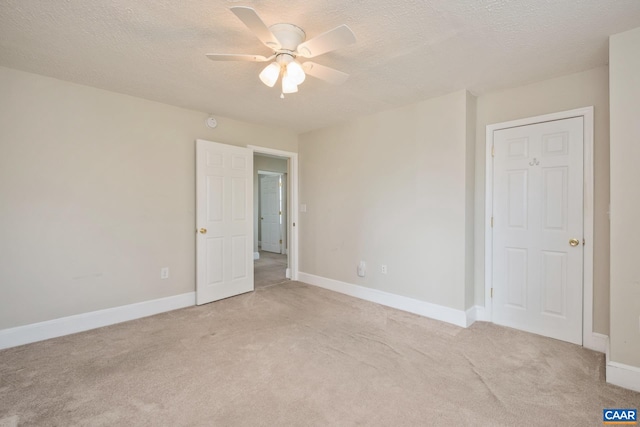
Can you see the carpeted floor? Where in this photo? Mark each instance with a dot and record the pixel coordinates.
(292, 355)
(269, 270)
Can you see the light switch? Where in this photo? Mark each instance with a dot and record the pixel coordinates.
(362, 269)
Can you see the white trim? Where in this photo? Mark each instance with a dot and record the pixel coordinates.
(256, 255)
(622, 375)
(625, 376)
(260, 172)
(596, 342)
(292, 204)
(588, 339)
(411, 305)
(26, 334)
(476, 313)
(471, 315)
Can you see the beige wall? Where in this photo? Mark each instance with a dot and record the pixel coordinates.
(96, 195)
(564, 93)
(624, 63)
(390, 188)
(88, 177)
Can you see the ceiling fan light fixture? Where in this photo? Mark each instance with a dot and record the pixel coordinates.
(288, 41)
(270, 74)
(288, 86)
(295, 72)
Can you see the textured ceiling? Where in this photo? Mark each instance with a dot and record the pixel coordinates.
(407, 50)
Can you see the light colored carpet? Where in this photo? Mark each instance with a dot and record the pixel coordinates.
(269, 270)
(292, 355)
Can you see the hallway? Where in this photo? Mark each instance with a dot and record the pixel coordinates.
(270, 269)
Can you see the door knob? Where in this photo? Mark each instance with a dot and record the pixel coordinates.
(203, 231)
(574, 242)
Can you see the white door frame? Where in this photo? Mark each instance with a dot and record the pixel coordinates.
(292, 204)
(589, 340)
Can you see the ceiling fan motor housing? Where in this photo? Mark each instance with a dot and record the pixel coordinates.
(289, 36)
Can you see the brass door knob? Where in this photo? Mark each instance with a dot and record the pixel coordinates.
(203, 231)
(574, 242)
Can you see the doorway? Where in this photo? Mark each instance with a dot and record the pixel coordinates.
(226, 242)
(539, 233)
(274, 223)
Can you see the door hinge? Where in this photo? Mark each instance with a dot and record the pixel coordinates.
(583, 242)
(280, 241)
(493, 151)
(491, 292)
(279, 212)
(491, 222)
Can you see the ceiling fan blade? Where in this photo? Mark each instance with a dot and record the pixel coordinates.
(326, 42)
(251, 19)
(325, 73)
(238, 57)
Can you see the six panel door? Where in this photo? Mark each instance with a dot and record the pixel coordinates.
(224, 221)
(538, 228)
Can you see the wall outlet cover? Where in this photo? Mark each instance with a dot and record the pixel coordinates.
(362, 268)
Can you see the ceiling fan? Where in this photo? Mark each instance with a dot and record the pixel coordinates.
(288, 44)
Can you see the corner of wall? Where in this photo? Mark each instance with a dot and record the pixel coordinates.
(470, 154)
(619, 374)
(624, 103)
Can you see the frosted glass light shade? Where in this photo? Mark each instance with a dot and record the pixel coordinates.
(288, 86)
(295, 72)
(270, 74)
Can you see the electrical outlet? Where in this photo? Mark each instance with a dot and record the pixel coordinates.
(164, 273)
(383, 269)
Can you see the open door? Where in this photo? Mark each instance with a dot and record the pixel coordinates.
(224, 209)
(270, 213)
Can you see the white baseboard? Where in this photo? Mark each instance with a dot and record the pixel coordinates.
(256, 255)
(622, 375)
(476, 313)
(26, 334)
(619, 374)
(422, 308)
(596, 342)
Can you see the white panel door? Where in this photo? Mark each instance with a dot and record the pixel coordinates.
(538, 228)
(224, 209)
(270, 213)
